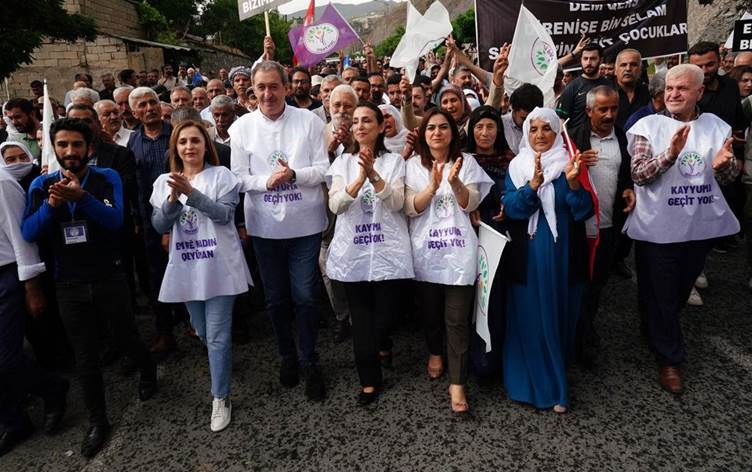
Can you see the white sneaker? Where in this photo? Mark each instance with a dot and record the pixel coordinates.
(702, 281)
(694, 298)
(221, 414)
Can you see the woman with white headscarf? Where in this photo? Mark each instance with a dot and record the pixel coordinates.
(548, 208)
(395, 134)
(18, 161)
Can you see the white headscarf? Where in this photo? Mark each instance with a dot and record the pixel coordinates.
(397, 142)
(553, 162)
(20, 169)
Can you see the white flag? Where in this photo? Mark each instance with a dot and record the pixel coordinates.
(532, 58)
(490, 246)
(422, 34)
(48, 153)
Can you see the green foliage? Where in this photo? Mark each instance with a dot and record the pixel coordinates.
(28, 22)
(180, 14)
(464, 27)
(387, 46)
(220, 19)
(155, 24)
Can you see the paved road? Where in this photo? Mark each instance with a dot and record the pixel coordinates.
(619, 419)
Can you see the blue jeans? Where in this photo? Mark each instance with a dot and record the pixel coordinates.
(212, 320)
(290, 273)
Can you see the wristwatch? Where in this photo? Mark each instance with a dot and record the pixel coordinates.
(294, 177)
(376, 179)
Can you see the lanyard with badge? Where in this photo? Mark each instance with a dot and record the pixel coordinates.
(76, 231)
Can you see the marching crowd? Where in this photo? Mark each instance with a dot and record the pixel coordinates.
(191, 190)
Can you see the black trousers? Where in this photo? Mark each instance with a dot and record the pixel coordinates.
(587, 338)
(156, 259)
(666, 274)
(372, 307)
(446, 310)
(82, 307)
(46, 334)
(19, 378)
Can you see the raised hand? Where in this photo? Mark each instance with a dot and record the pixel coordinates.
(437, 174)
(572, 171)
(501, 64)
(589, 157)
(179, 184)
(366, 161)
(454, 173)
(678, 140)
(581, 44)
(269, 48)
(725, 155)
(537, 179)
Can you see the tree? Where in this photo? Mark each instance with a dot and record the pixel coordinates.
(464, 27)
(220, 20)
(155, 24)
(28, 22)
(388, 45)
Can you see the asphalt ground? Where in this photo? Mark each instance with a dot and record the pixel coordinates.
(619, 418)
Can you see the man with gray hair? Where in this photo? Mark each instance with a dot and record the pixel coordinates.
(603, 146)
(112, 123)
(656, 88)
(120, 96)
(85, 96)
(149, 144)
(633, 94)
(680, 157)
(223, 115)
(325, 90)
(279, 156)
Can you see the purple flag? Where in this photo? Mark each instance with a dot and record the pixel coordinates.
(315, 42)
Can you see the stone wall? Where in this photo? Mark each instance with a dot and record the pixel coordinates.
(59, 62)
(213, 60)
(712, 22)
(114, 16)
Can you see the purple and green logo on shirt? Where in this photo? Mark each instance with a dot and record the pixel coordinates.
(690, 164)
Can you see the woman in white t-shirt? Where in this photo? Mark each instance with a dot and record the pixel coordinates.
(442, 187)
(370, 250)
(195, 203)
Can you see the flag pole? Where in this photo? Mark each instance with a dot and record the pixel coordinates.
(266, 23)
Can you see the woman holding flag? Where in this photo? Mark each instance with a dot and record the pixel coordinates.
(548, 208)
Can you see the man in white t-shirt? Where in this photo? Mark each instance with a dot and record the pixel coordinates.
(679, 158)
(278, 154)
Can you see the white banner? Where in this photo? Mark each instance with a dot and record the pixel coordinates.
(490, 246)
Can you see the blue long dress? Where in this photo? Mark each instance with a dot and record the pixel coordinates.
(542, 314)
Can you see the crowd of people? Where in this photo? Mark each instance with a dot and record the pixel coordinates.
(191, 190)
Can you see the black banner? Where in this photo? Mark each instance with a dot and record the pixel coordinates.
(653, 27)
(742, 36)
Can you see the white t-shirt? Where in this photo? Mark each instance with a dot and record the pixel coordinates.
(294, 209)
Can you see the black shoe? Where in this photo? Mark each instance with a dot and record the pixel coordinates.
(365, 398)
(54, 408)
(9, 439)
(147, 385)
(288, 374)
(622, 269)
(314, 384)
(94, 439)
(341, 331)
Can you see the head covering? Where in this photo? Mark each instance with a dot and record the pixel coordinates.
(485, 111)
(553, 162)
(397, 142)
(239, 70)
(20, 169)
(463, 99)
(316, 80)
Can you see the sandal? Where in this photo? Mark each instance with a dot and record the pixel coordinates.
(559, 409)
(459, 408)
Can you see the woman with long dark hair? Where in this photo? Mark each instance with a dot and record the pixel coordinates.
(195, 203)
(443, 186)
(370, 250)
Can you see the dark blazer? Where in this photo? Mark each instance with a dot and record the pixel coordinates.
(581, 138)
(121, 160)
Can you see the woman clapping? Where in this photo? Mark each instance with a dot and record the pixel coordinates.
(195, 203)
(370, 250)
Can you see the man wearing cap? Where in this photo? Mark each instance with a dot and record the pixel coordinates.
(240, 78)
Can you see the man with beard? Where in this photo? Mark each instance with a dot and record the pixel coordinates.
(633, 94)
(393, 90)
(112, 124)
(223, 74)
(301, 91)
(572, 100)
(79, 211)
(349, 74)
(378, 87)
(168, 80)
(608, 68)
(603, 145)
(20, 111)
(362, 88)
(120, 95)
(152, 80)
(149, 143)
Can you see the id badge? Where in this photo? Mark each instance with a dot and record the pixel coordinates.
(75, 232)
